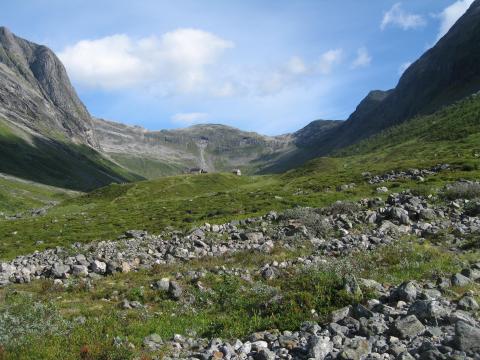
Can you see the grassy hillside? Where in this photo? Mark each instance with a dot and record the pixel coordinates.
(232, 307)
(452, 135)
(17, 195)
(55, 163)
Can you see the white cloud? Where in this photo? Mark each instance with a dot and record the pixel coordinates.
(178, 61)
(396, 16)
(363, 58)
(189, 118)
(451, 14)
(328, 60)
(296, 65)
(404, 67)
(294, 72)
(185, 61)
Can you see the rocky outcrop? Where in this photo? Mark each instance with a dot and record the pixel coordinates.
(36, 93)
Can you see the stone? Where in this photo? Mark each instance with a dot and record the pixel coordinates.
(467, 337)
(264, 354)
(268, 273)
(408, 327)
(162, 284)
(175, 290)
(373, 326)
(405, 356)
(98, 267)
(340, 314)
(79, 270)
(360, 311)
(319, 347)
(60, 271)
(428, 310)
(427, 214)
(135, 234)
(351, 286)
(460, 280)
(472, 274)
(468, 303)
(405, 292)
(356, 349)
(152, 342)
(125, 267)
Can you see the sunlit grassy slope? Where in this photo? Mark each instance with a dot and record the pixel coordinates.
(450, 136)
(18, 195)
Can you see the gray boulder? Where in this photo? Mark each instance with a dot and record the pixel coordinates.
(319, 347)
(98, 267)
(408, 327)
(460, 280)
(60, 271)
(152, 342)
(467, 337)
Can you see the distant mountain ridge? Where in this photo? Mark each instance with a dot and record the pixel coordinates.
(47, 134)
(212, 147)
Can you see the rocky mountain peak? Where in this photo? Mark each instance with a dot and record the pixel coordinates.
(36, 92)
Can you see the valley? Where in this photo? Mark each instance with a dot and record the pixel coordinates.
(351, 240)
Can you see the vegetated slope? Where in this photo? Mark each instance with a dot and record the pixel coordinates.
(166, 152)
(18, 195)
(46, 133)
(446, 73)
(452, 135)
(54, 162)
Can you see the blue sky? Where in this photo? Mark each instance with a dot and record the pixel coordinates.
(268, 66)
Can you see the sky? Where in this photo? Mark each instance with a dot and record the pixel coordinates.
(270, 66)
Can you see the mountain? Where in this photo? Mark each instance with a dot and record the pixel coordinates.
(446, 73)
(46, 133)
(210, 147)
(35, 91)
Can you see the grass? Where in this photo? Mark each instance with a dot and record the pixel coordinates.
(17, 195)
(56, 162)
(231, 308)
(186, 200)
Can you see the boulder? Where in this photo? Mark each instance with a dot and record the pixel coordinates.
(460, 280)
(152, 342)
(98, 267)
(408, 327)
(60, 271)
(319, 347)
(467, 338)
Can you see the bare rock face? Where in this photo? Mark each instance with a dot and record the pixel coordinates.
(36, 93)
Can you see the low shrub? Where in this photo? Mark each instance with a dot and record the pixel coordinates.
(462, 190)
(22, 318)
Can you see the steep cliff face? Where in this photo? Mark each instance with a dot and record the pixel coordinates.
(36, 93)
(46, 133)
(446, 73)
